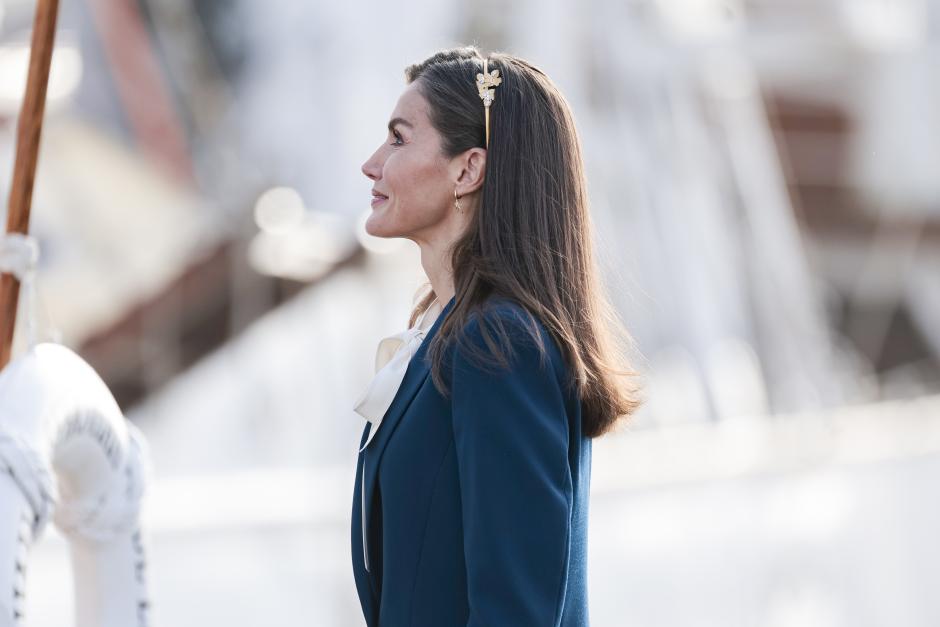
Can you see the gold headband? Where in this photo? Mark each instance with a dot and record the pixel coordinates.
(486, 82)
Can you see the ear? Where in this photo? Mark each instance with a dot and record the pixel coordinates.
(468, 169)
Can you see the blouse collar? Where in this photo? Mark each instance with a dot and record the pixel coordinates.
(391, 362)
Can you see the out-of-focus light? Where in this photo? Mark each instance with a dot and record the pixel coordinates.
(809, 508)
(380, 245)
(802, 604)
(887, 24)
(677, 392)
(702, 19)
(735, 378)
(65, 74)
(728, 77)
(306, 251)
(273, 256)
(279, 210)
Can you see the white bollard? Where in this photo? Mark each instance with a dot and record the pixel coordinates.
(15, 535)
(58, 418)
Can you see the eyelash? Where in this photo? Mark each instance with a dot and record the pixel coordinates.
(398, 138)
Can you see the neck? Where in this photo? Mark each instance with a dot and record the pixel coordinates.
(436, 263)
(436, 248)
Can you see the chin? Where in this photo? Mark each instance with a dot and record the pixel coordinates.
(377, 226)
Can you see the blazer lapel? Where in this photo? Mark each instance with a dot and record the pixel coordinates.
(415, 375)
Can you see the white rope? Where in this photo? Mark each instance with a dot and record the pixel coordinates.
(19, 256)
(29, 473)
(116, 511)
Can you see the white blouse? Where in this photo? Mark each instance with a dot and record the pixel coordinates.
(391, 363)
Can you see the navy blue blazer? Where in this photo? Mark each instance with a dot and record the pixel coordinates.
(476, 504)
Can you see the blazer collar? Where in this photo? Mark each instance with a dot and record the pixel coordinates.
(416, 374)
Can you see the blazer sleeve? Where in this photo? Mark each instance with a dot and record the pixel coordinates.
(511, 438)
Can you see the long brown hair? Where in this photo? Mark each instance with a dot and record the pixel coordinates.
(530, 238)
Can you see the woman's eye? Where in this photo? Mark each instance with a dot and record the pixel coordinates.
(398, 140)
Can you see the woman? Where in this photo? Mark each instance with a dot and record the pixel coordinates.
(471, 495)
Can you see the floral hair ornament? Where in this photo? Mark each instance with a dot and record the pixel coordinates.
(486, 82)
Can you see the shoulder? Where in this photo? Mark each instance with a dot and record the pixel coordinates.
(502, 334)
(500, 311)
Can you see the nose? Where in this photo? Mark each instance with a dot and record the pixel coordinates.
(372, 168)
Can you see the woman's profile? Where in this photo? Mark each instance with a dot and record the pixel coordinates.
(472, 483)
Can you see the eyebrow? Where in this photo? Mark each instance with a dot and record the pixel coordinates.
(402, 121)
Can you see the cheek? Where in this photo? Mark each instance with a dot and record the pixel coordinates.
(418, 186)
(415, 185)
(406, 173)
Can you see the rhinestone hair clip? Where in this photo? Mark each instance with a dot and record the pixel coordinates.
(486, 84)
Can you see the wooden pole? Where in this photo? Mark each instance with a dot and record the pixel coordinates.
(28, 129)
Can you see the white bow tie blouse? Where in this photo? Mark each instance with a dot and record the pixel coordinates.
(391, 362)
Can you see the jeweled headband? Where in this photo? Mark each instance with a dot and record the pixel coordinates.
(486, 82)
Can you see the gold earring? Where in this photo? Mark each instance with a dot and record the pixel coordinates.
(457, 201)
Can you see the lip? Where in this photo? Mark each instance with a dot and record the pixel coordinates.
(378, 198)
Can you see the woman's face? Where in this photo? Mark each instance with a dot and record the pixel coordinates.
(412, 192)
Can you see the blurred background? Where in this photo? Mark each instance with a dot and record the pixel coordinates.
(765, 182)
